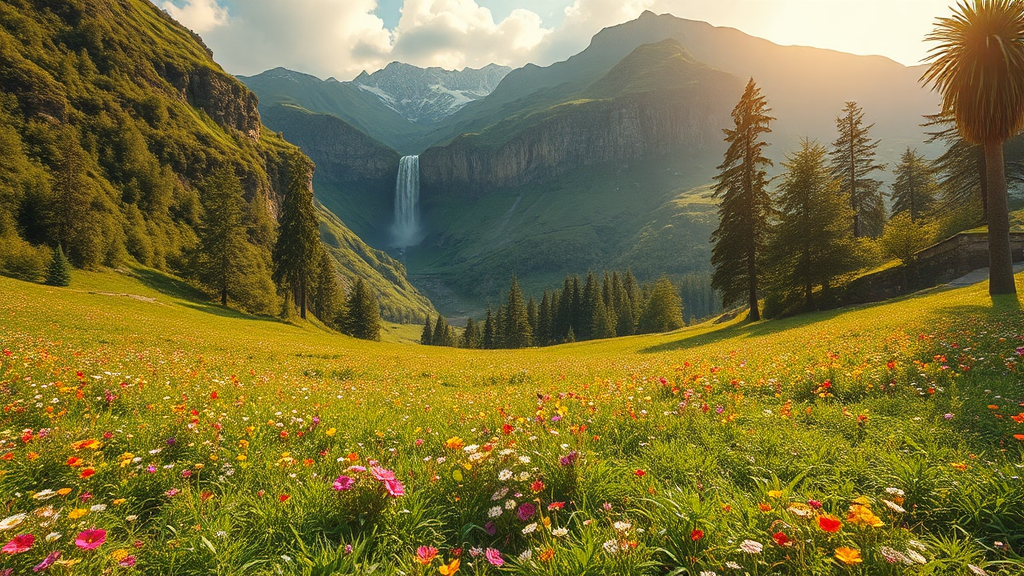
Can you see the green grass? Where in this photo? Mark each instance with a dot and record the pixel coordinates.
(727, 429)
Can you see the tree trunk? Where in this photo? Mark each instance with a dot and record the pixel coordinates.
(755, 314)
(1000, 259)
(302, 300)
(223, 296)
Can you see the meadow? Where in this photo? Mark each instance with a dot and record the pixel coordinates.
(145, 431)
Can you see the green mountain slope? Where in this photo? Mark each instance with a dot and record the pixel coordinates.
(111, 115)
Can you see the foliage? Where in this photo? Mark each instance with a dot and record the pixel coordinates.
(362, 314)
(914, 189)
(904, 237)
(326, 298)
(206, 441)
(853, 160)
(811, 243)
(59, 271)
(663, 310)
(297, 252)
(746, 207)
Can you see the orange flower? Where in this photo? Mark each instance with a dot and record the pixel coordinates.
(848, 556)
(993, 407)
(1019, 418)
(861, 515)
(764, 507)
(89, 444)
(547, 555)
(449, 569)
(74, 461)
(829, 524)
(454, 443)
(1019, 437)
(959, 466)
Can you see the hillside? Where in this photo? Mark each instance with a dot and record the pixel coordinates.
(883, 432)
(111, 117)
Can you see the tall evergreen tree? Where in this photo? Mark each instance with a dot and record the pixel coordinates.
(363, 318)
(71, 205)
(222, 235)
(853, 160)
(471, 337)
(542, 337)
(812, 241)
(664, 309)
(298, 243)
(632, 288)
(532, 315)
(427, 336)
(490, 331)
(326, 296)
(59, 271)
(564, 312)
(745, 206)
(444, 334)
(516, 325)
(914, 189)
(624, 324)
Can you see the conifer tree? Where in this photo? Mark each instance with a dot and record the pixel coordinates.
(663, 311)
(515, 323)
(298, 243)
(624, 325)
(59, 271)
(564, 312)
(444, 335)
(427, 336)
(812, 242)
(543, 334)
(326, 296)
(914, 189)
(489, 340)
(73, 194)
(532, 315)
(222, 235)
(471, 337)
(853, 160)
(363, 317)
(632, 288)
(745, 208)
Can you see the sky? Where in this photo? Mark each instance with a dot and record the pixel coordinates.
(341, 38)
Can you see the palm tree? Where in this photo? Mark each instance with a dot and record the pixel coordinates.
(978, 68)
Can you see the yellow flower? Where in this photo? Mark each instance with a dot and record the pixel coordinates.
(78, 513)
(454, 443)
(64, 491)
(863, 516)
(331, 431)
(848, 556)
(449, 569)
(118, 501)
(240, 457)
(775, 493)
(959, 466)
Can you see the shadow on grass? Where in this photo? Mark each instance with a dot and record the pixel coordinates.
(191, 296)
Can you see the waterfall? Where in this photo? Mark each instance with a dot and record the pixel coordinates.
(405, 231)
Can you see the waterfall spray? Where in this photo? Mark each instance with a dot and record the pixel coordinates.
(405, 231)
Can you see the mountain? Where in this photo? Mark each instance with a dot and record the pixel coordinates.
(428, 96)
(111, 116)
(400, 105)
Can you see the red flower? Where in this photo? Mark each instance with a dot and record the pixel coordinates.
(537, 486)
(86, 473)
(556, 506)
(829, 524)
(19, 544)
(697, 534)
(508, 429)
(639, 473)
(781, 539)
(284, 497)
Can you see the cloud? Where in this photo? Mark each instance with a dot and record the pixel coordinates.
(198, 15)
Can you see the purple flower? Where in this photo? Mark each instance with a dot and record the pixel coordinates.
(171, 441)
(348, 548)
(569, 459)
(490, 528)
(948, 416)
(47, 562)
(172, 492)
(719, 410)
(342, 483)
(526, 511)
(151, 469)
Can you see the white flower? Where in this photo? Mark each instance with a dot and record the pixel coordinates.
(44, 494)
(510, 504)
(472, 448)
(916, 556)
(894, 506)
(131, 518)
(525, 555)
(494, 512)
(611, 546)
(622, 526)
(733, 566)
(524, 459)
(477, 456)
(505, 475)
(12, 521)
(98, 508)
(917, 545)
(894, 492)
(892, 556)
(708, 573)
(53, 536)
(751, 547)
(499, 494)
(524, 476)
(529, 527)
(976, 570)
(559, 532)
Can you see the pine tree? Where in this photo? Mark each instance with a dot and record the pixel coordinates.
(664, 309)
(222, 235)
(326, 297)
(489, 340)
(471, 337)
(812, 242)
(516, 325)
(532, 315)
(914, 189)
(745, 210)
(73, 193)
(544, 319)
(624, 325)
(363, 318)
(632, 288)
(427, 336)
(563, 312)
(444, 335)
(59, 271)
(298, 242)
(853, 159)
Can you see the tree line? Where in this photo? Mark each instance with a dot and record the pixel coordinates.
(616, 305)
(826, 217)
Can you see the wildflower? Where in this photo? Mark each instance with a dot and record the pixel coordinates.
(394, 488)
(47, 562)
(490, 528)
(639, 473)
(52, 536)
(708, 573)
(381, 474)
(781, 539)
(494, 557)
(958, 466)
(498, 495)
(916, 556)
(283, 497)
(454, 443)
(525, 555)
(505, 475)
(556, 506)
(12, 521)
(622, 526)
(91, 539)
(86, 444)
(44, 494)
(751, 547)
(764, 507)
(529, 528)
(894, 506)
(893, 556)
(547, 555)
(798, 509)
(848, 556)
(342, 483)
(611, 546)
(775, 493)
(861, 515)
(569, 459)
(494, 512)
(77, 513)
(696, 534)
(19, 544)
(559, 532)
(425, 554)
(976, 570)
(829, 524)
(450, 568)
(814, 504)
(526, 511)
(537, 486)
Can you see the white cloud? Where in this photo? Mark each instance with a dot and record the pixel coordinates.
(199, 15)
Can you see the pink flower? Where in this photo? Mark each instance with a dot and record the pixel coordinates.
(127, 561)
(343, 483)
(494, 557)
(814, 504)
(91, 539)
(526, 510)
(425, 554)
(47, 562)
(382, 474)
(394, 488)
(19, 544)
(356, 468)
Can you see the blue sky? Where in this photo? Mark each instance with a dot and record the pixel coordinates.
(340, 38)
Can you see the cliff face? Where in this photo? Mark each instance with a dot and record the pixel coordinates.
(226, 100)
(545, 144)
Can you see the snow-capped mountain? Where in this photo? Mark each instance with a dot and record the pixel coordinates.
(429, 95)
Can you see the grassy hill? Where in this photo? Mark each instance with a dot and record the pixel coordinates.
(884, 439)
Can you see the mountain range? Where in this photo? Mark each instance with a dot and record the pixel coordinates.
(598, 161)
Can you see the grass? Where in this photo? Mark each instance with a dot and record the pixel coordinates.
(219, 439)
